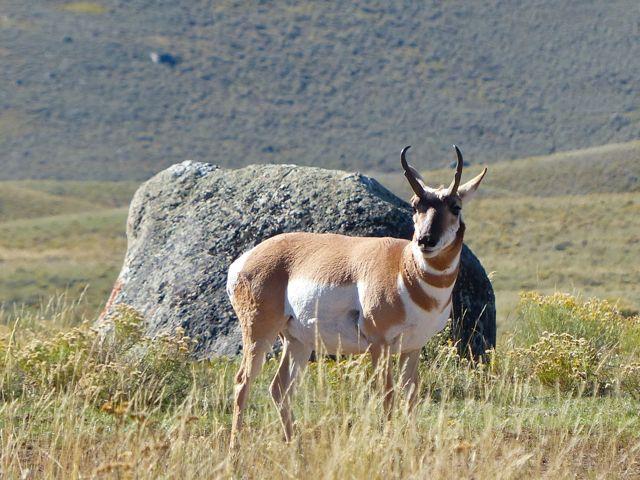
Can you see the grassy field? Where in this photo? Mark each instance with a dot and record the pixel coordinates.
(559, 399)
(58, 237)
(588, 244)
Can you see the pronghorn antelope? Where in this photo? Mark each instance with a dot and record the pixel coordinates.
(351, 294)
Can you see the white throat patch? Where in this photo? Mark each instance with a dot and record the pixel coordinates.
(421, 261)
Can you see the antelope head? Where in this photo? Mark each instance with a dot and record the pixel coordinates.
(437, 212)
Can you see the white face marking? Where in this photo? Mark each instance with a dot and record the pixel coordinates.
(420, 259)
(424, 225)
(446, 239)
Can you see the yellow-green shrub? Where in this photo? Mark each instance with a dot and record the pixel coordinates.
(568, 342)
(117, 364)
(55, 362)
(629, 377)
(563, 360)
(596, 320)
(121, 364)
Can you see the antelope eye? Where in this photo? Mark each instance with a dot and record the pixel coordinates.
(455, 209)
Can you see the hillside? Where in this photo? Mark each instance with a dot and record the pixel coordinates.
(58, 237)
(27, 199)
(565, 222)
(337, 85)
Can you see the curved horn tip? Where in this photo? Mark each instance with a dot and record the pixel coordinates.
(453, 188)
(458, 152)
(403, 158)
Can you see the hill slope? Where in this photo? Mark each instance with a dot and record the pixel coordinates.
(341, 84)
(60, 236)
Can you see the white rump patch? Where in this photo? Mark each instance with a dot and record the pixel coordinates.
(234, 269)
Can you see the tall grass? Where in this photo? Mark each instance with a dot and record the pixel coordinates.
(115, 404)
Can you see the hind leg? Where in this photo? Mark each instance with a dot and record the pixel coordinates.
(261, 316)
(252, 361)
(295, 356)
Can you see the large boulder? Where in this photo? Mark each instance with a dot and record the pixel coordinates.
(189, 222)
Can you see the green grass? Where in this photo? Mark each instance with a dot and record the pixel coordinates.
(45, 256)
(21, 203)
(104, 194)
(41, 198)
(83, 7)
(61, 236)
(586, 243)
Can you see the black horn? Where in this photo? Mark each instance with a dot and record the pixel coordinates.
(410, 173)
(453, 188)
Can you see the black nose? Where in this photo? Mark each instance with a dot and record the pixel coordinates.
(429, 241)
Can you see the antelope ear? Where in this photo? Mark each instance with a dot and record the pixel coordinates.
(467, 190)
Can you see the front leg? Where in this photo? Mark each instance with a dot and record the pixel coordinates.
(409, 376)
(381, 361)
(295, 357)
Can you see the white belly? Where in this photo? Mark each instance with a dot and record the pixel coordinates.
(330, 314)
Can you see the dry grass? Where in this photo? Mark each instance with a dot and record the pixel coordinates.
(61, 236)
(586, 243)
(126, 407)
(559, 400)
